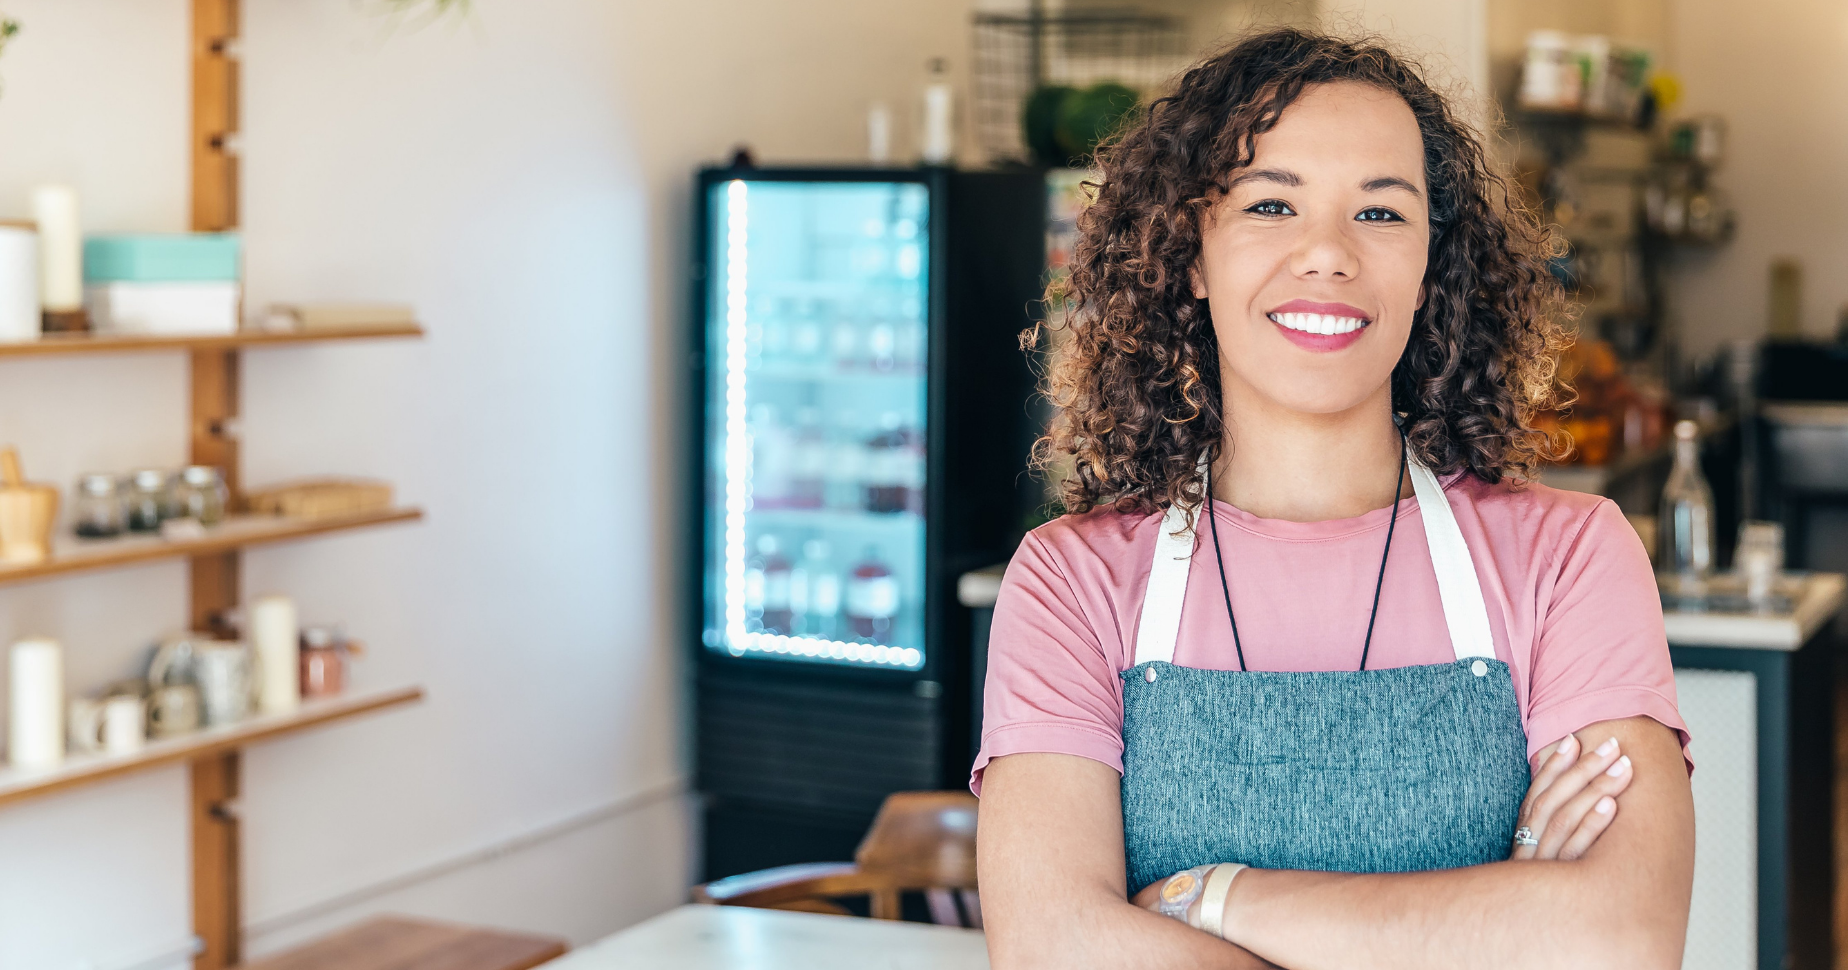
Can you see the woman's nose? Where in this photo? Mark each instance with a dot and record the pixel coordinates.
(1324, 252)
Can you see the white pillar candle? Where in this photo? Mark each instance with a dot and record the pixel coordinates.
(54, 208)
(275, 634)
(19, 282)
(35, 714)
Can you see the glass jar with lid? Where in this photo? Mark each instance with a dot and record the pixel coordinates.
(146, 502)
(199, 493)
(97, 512)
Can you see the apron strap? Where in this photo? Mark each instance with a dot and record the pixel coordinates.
(1457, 584)
(1458, 587)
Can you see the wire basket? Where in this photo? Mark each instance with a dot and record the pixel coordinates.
(1017, 53)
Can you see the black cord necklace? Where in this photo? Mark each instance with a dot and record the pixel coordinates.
(1392, 522)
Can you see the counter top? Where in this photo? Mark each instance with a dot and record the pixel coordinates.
(737, 938)
(1821, 599)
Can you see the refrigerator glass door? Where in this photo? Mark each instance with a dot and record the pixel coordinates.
(816, 362)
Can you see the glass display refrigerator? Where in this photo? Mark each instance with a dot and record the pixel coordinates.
(862, 404)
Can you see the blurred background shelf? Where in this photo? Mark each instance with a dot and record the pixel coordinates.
(93, 343)
(236, 532)
(17, 784)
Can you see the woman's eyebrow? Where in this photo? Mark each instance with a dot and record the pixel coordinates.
(1389, 182)
(1276, 175)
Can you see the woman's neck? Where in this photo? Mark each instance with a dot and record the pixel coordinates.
(1280, 463)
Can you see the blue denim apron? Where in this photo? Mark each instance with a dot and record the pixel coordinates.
(1392, 770)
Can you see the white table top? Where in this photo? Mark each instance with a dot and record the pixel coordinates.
(736, 938)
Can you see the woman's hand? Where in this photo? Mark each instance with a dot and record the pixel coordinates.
(1573, 799)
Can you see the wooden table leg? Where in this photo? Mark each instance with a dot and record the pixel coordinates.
(216, 916)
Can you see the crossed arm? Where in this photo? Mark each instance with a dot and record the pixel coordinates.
(1051, 858)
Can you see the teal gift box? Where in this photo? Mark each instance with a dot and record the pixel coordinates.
(196, 257)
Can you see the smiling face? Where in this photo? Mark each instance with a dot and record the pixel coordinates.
(1313, 264)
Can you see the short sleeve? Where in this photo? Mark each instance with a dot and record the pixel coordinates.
(1602, 653)
(1051, 687)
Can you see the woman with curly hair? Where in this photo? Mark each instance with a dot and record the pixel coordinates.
(1309, 675)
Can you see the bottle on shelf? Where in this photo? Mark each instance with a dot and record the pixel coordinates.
(97, 513)
(806, 339)
(808, 470)
(842, 486)
(1686, 523)
(772, 458)
(815, 593)
(147, 500)
(844, 341)
(894, 473)
(766, 588)
(872, 598)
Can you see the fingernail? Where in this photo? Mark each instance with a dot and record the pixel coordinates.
(1622, 765)
(1608, 746)
(1605, 806)
(1567, 745)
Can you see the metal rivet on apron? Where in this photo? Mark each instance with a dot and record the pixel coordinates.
(1479, 668)
(1149, 675)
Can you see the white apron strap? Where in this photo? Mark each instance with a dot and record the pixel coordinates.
(1457, 586)
(1161, 605)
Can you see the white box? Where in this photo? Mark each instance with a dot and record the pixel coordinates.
(163, 308)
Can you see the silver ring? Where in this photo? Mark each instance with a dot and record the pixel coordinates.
(1525, 836)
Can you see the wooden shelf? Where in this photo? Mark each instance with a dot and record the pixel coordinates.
(17, 784)
(72, 555)
(86, 343)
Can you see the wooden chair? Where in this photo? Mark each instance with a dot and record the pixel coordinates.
(399, 943)
(921, 841)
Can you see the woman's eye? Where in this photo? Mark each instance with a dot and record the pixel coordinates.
(1378, 214)
(1271, 207)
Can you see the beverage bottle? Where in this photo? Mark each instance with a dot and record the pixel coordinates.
(844, 341)
(886, 467)
(882, 344)
(846, 460)
(809, 463)
(805, 335)
(775, 569)
(872, 598)
(815, 592)
(1686, 523)
(772, 459)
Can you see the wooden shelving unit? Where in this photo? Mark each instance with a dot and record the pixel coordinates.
(235, 533)
(82, 769)
(86, 343)
(212, 755)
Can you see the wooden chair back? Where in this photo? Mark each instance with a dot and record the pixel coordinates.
(921, 841)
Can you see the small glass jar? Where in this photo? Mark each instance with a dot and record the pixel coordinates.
(146, 503)
(97, 512)
(323, 662)
(199, 493)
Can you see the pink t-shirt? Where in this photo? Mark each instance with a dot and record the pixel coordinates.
(1571, 597)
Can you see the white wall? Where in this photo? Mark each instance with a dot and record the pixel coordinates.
(1774, 74)
(523, 179)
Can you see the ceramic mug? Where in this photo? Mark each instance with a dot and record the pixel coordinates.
(223, 672)
(173, 709)
(115, 725)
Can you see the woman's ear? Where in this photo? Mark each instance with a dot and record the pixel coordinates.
(1199, 283)
(1424, 290)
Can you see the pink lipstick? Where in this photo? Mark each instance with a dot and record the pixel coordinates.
(1320, 327)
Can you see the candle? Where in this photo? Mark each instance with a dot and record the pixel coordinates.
(54, 207)
(19, 282)
(275, 634)
(35, 716)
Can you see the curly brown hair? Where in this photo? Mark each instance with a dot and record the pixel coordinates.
(1136, 390)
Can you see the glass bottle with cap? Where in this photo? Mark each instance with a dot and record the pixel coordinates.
(97, 512)
(200, 494)
(1686, 524)
(146, 502)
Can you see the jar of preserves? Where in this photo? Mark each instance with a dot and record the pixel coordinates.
(146, 502)
(97, 512)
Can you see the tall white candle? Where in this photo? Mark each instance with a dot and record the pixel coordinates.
(35, 714)
(54, 207)
(274, 633)
(19, 282)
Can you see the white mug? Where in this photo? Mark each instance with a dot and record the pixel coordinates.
(115, 725)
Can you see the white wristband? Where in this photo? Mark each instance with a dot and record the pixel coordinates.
(1213, 897)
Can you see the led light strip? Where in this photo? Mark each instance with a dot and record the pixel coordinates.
(737, 481)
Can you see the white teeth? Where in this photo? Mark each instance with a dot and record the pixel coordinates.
(1320, 323)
